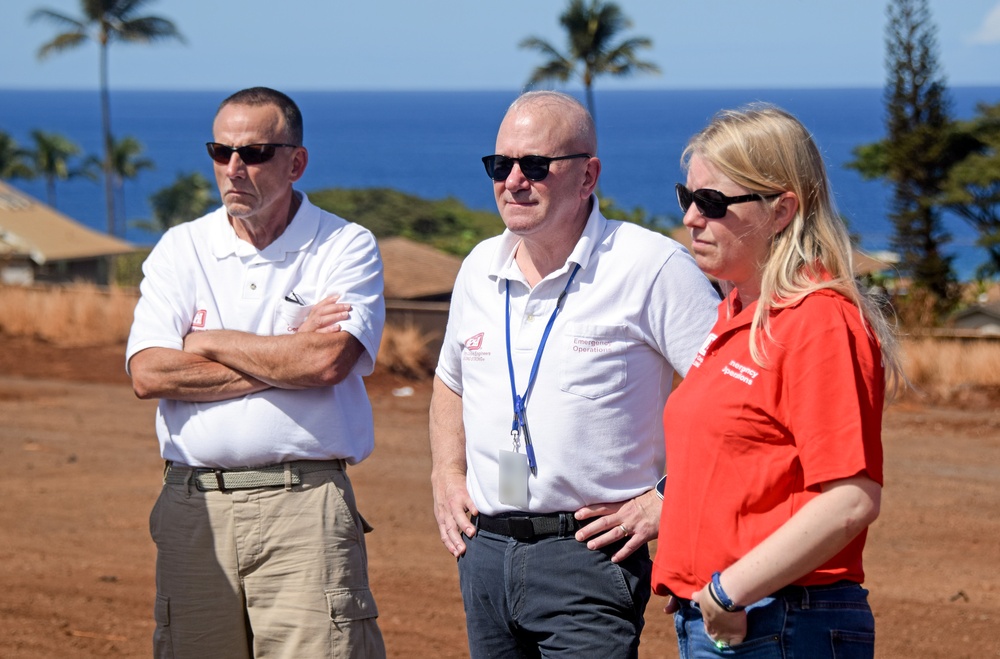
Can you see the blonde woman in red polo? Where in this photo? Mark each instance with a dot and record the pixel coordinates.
(774, 450)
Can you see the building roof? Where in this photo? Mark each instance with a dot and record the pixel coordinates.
(30, 228)
(986, 309)
(414, 270)
(867, 264)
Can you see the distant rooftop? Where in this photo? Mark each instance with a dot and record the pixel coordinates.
(415, 271)
(32, 229)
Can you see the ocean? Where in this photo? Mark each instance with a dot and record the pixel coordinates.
(430, 143)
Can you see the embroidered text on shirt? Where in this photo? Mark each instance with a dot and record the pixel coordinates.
(736, 370)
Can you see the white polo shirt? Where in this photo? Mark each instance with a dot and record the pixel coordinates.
(201, 276)
(638, 309)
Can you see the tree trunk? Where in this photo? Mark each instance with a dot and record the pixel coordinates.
(590, 101)
(109, 189)
(50, 189)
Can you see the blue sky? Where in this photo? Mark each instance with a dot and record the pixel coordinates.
(472, 44)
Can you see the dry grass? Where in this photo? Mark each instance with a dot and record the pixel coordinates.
(79, 315)
(944, 367)
(71, 315)
(88, 315)
(404, 351)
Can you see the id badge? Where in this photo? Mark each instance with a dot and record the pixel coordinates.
(514, 479)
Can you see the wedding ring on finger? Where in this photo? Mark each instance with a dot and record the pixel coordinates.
(624, 530)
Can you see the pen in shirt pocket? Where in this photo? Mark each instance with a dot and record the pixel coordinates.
(294, 298)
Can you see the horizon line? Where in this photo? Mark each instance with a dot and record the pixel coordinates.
(497, 90)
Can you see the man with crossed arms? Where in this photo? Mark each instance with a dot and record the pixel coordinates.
(254, 329)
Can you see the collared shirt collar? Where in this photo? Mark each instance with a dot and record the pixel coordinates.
(743, 316)
(504, 267)
(298, 235)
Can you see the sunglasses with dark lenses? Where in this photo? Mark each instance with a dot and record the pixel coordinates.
(712, 203)
(250, 154)
(534, 168)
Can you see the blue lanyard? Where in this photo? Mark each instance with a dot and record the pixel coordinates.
(520, 423)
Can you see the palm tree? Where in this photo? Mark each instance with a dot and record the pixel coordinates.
(189, 197)
(12, 159)
(104, 21)
(126, 164)
(590, 27)
(51, 160)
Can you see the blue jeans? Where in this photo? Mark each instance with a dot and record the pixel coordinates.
(818, 622)
(552, 597)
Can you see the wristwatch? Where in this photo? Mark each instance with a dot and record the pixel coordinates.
(660, 486)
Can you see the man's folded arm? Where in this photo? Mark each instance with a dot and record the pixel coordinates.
(178, 375)
(294, 361)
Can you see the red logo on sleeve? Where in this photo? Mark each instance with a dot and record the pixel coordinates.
(199, 319)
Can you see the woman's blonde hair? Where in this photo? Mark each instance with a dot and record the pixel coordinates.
(767, 150)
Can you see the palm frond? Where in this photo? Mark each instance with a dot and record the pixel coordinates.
(591, 27)
(62, 42)
(561, 70)
(146, 30)
(53, 16)
(540, 45)
(558, 67)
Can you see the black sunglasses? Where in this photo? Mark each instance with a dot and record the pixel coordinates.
(251, 154)
(712, 203)
(534, 168)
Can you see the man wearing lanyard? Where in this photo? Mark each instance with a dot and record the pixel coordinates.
(545, 422)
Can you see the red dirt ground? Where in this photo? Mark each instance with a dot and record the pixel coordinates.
(79, 471)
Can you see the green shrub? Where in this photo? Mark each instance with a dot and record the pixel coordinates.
(446, 224)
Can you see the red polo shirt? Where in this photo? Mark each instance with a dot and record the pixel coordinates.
(748, 446)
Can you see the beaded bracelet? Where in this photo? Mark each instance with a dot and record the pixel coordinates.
(720, 597)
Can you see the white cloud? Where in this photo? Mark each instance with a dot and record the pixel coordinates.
(989, 31)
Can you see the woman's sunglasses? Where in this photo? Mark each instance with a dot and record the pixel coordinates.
(712, 203)
(534, 168)
(250, 154)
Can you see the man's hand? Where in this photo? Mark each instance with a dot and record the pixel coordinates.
(453, 507)
(326, 316)
(638, 519)
(452, 504)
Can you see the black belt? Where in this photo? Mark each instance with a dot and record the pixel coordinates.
(523, 528)
(279, 475)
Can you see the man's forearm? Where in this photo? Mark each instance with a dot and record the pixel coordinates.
(452, 503)
(294, 361)
(178, 375)
(447, 432)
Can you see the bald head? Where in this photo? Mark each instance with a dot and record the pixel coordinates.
(560, 113)
(548, 211)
